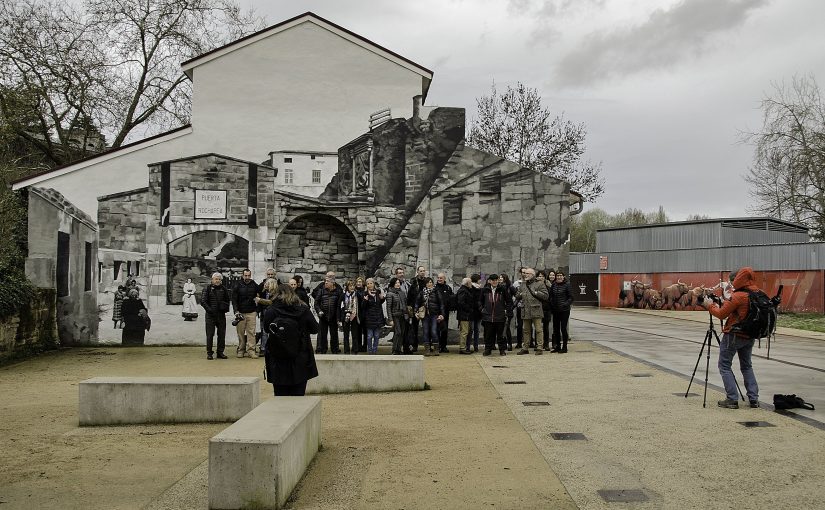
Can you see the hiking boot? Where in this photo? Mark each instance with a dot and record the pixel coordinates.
(754, 404)
(487, 353)
(253, 355)
(209, 356)
(523, 351)
(539, 352)
(502, 353)
(222, 355)
(728, 404)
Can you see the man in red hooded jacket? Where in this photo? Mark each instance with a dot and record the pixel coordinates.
(735, 310)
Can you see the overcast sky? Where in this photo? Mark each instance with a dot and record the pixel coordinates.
(665, 87)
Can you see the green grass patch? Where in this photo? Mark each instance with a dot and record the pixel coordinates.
(806, 321)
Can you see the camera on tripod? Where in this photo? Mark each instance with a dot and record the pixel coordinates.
(238, 318)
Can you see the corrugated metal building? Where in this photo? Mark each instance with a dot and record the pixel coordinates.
(702, 252)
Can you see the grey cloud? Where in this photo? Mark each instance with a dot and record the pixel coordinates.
(686, 30)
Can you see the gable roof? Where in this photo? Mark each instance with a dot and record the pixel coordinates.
(188, 66)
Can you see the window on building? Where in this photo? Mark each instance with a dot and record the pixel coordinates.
(87, 281)
(116, 272)
(128, 268)
(452, 210)
(63, 253)
(137, 268)
(287, 160)
(288, 175)
(316, 176)
(312, 156)
(100, 272)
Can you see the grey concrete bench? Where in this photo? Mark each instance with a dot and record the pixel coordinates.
(343, 373)
(125, 400)
(257, 461)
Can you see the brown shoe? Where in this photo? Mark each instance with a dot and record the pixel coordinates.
(539, 352)
(523, 351)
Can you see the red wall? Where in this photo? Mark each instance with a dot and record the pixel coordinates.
(804, 290)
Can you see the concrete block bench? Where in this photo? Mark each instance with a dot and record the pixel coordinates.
(257, 461)
(344, 373)
(127, 400)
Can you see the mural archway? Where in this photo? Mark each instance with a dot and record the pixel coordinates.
(198, 255)
(312, 244)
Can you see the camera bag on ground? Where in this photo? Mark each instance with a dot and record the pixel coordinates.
(790, 402)
(285, 338)
(761, 319)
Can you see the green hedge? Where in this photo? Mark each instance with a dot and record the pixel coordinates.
(16, 292)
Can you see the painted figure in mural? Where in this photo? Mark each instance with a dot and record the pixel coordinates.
(361, 169)
(448, 298)
(327, 302)
(190, 303)
(736, 342)
(430, 309)
(417, 285)
(510, 293)
(349, 318)
(531, 293)
(134, 313)
(397, 312)
(268, 290)
(561, 299)
(245, 308)
(289, 370)
(215, 301)
(465, 309)
(546, 278)
(117, 307)
(496, 309)
(372, 312)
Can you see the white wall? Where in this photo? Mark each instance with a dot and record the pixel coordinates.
(302, 89)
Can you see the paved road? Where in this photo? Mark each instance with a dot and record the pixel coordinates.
(796, 364)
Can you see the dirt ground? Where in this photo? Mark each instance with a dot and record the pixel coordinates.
(454, 446)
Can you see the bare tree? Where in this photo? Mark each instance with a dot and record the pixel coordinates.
(112, 66)
(787, 178)
(583, 226)
(516, 126)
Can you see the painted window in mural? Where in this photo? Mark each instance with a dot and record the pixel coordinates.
(200, 254)
(316, 176)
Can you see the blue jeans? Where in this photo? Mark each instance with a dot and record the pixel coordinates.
(729, 346)
(474, 327)
(372, 339)
(430, 324)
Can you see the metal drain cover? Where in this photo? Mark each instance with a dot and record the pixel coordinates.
(756, 424)
(622, 495)
(568, 436)
(515, 382)
(536, 403)
(641, 375)
(500, 366)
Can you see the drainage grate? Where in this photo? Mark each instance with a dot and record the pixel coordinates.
(568, 436)
(610, 361)
(536, 403)
(515, 382)
(622, 495)
(689, 394)
(756, 424)
(500, 366)
(641, 375)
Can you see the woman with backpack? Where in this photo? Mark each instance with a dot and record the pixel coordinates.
(289, 358)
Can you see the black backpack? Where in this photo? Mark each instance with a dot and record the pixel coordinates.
(790, 402)
(761, 319)
(286, 339)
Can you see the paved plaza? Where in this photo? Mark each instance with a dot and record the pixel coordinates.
(605, 426)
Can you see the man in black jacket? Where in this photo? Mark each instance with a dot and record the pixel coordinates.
(446, 292)
(245, 309)
(417, 285)
(215, 301)
(496, 307)
(328, 303)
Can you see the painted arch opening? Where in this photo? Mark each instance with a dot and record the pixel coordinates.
(198, 255)
(313, 244)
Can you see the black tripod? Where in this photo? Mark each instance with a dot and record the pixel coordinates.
(711, 333)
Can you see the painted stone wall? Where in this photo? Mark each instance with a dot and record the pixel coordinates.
(313, 244)
(33, 329)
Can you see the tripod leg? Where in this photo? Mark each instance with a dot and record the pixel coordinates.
(707, 367)
(769, 344)
(696, 366)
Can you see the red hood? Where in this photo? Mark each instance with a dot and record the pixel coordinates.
(745, 278)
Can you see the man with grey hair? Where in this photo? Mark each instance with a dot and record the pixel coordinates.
(531, 293)
(215, 301)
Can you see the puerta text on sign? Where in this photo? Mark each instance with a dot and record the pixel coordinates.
(210, 204)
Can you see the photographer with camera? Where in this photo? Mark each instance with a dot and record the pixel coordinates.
(734, 340)
(245, 307)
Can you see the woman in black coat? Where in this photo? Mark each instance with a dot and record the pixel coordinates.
(133, 311)
(561, 298)
(289, 375)
(430, 299)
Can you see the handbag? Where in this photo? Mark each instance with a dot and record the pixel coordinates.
(421, 312)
